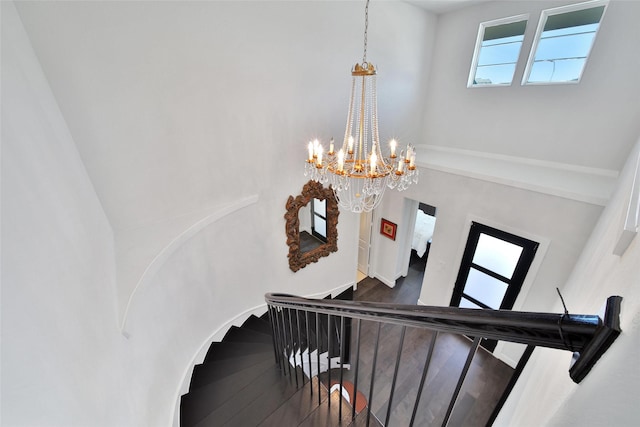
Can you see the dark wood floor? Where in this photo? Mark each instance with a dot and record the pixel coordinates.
(309, 242)
(483, 386)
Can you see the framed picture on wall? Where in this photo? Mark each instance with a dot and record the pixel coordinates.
(387, 228)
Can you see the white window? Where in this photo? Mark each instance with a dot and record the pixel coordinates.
(563, 42)
(497, 51)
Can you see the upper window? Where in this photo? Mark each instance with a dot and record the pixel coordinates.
(562, 43)
(497, 51)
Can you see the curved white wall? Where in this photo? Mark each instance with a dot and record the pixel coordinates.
(62, 353)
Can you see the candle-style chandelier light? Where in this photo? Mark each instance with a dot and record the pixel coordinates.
(358, 172)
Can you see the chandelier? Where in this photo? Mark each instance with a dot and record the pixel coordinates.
(358, 173)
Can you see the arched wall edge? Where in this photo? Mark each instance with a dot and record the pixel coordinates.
(177, 242)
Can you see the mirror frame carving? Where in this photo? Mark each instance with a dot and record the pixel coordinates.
(311, 190)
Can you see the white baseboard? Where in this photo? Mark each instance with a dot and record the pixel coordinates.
(388, 282)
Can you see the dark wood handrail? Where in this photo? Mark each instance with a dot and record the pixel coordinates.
(587, 336)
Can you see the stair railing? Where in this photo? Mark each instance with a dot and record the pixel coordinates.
(302, 327)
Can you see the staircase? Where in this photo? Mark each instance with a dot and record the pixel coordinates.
(256, 378)
(241, 384)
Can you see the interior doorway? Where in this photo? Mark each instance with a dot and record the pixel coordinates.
(421, 220)
(422, 234)
(493, 268)
(364, 245)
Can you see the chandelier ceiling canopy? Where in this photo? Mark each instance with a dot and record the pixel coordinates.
(359, 173)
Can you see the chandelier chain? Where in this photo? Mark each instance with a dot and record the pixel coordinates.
(358, 172)
(366, 30)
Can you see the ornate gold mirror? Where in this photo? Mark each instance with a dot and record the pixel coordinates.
(312, 225)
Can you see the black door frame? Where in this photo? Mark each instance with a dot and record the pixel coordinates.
(529, 248)
(314, 213)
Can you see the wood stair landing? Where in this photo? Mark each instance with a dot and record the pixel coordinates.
(240, 384)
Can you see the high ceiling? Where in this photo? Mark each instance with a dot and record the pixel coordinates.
(442, 6)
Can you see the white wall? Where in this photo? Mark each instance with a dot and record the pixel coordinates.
(62, 354)
(608, 395)
(159, 99)
(594, 123)
(561, 224)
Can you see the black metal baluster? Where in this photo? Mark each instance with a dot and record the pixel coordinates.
(285, 341)
(512, 382)
(355, 378)
(341, 363)
(293, 349)
(373, 372)
(279, 341)
(427, 362)
(395, 375)
(463, 374)
(273, 334)
(306, 322)
(329, 358)
(300, 345)
(276, 320)
(318, 353)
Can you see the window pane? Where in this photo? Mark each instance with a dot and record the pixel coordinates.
(563, 47)
(497, 255)
(575, 18)
(556, 71)
(485, 288)
(320, 226)
(494, 75)
(504, 31)
(320, 207)
(465, 303)
(572, 45)
(497, 53)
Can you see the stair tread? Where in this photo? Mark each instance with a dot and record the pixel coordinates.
(197, 404)
(328, 414)
(217, 369)
(240, 384)
(298, 407)
(256, 324)
(253, 402)
(361, 420)
(229, 349)
(236, 334)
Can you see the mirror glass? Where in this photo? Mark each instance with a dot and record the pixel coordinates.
(313, 225)
(312, 219)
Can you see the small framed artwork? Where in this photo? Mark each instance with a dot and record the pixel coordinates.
(387, 228)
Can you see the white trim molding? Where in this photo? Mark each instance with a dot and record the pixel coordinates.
(182, 237)
(585, 184)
